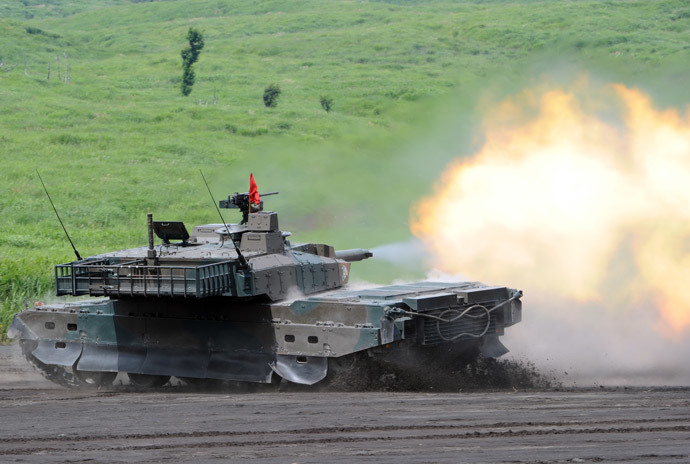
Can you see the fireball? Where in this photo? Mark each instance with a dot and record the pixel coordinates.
(581, 198)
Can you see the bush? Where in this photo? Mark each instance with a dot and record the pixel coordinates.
(188, 78)
(190, 56)
(67, 139)
(271, 94)
(326, 103)
(35, 30)
(254, 132)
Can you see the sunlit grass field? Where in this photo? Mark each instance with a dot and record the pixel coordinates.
(407, 80)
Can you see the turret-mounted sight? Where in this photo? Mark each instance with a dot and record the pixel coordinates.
(241, 201)
(171, 230)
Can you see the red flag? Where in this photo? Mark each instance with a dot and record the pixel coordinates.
(254, 197)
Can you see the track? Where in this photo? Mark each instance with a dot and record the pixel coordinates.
(42, 423)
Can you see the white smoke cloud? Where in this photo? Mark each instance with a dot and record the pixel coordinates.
(586, 344)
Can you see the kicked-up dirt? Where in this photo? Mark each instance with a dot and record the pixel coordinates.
(41, 423)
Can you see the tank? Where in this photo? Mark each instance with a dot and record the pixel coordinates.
(244, 304)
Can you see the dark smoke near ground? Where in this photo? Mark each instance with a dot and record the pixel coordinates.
(355, 373)
(431, 369)
(412, 372)
(479, 375)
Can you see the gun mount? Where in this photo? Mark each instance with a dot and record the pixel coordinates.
(241, 201)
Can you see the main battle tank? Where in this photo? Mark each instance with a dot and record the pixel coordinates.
(241, 303)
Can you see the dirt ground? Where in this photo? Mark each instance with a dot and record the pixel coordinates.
(44, 423)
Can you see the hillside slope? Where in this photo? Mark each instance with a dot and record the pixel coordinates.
(119, 140)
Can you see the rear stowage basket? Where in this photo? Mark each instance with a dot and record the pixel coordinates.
(135, 278)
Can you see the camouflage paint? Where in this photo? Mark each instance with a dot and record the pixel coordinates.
(195, 309)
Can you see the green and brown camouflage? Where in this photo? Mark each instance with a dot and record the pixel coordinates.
(240, 302)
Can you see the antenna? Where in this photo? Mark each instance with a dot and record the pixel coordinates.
(243, 261)
(58, 216)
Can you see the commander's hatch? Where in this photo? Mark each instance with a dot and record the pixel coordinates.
(171, 230)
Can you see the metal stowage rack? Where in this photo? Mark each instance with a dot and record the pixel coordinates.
(136, 278)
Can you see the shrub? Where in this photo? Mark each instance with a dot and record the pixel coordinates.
(189, 56)
(271, 94)
(67, 139)
(254, 132)
(35, 30)
(326, 103)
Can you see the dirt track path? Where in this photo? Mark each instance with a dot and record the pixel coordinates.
(42, 423)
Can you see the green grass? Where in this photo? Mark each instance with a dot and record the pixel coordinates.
(406, 77)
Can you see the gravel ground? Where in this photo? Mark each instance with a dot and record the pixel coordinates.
(44, 423)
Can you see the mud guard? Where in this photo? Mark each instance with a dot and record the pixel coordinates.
(58, 353)
(244, 367)
(491, 347)
(19, 330)
(111, 358)
(306, 370)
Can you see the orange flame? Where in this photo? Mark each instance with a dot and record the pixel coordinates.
(587, 199)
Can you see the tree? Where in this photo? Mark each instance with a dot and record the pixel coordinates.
(189, 56)
(326, 103)
(271, 94)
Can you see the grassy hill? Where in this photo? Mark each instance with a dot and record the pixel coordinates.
(118, 140)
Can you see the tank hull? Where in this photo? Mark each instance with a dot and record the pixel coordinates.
(257, 341)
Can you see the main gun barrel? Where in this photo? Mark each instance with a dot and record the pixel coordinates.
(355, 254)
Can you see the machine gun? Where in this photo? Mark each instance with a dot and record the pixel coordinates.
(241, 201)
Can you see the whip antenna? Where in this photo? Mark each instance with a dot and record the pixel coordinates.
(58, 216)
(243, 261)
